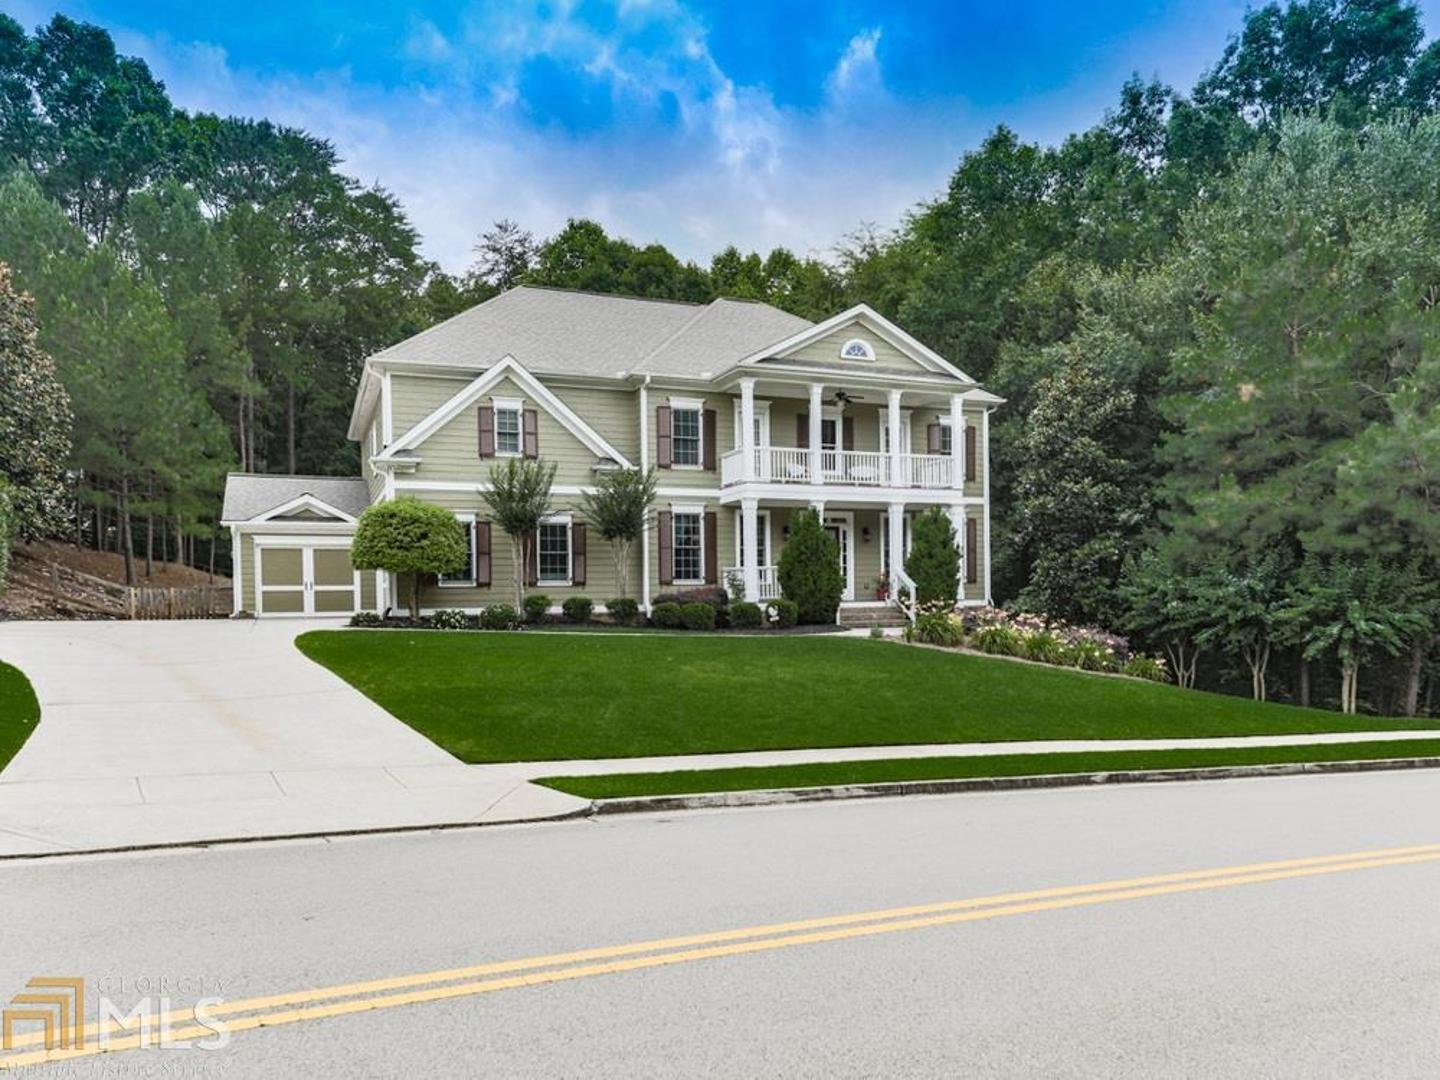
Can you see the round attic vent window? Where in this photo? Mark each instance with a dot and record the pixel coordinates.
(856, 349)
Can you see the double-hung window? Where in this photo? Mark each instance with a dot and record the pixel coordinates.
(508, 437)
(947, 437)
(688, 546)
(552, 552)
(685, 421)
(465, 575)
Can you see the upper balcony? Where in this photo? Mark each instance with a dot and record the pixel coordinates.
(852, 468)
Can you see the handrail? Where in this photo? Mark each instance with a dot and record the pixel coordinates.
(906, 586)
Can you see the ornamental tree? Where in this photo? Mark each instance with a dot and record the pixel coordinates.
(934, 559)
(518, 498)
(810, 569)
(409, 538)
(619, 509)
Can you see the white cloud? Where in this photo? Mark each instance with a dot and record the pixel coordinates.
(734, 167)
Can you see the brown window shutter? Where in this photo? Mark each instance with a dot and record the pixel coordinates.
(482, 553)
(663, 436)
(707, 440)
(849, 433)
(972, 541)
(667, 547)
(802, 431)
(970, 452)
(712, 554)
(532, 433)
(932, 439)
(530, 549)
(577, 553)
(487, 431)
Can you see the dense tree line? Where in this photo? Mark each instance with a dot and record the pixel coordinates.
(1212, 315)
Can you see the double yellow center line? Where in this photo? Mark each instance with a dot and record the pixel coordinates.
(341, 1000)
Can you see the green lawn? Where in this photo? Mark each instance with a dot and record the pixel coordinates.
(19, 711)
(963, 768)
(515, 697)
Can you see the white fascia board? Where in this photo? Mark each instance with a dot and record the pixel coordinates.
(542, 396)
(304, 502)
(909, 345)
(366, 395)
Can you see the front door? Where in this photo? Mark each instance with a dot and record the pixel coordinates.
(840, 530)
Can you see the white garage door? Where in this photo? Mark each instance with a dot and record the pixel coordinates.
(305, 579)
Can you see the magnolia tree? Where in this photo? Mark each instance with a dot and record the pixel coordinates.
(412, 539)
(619, 510)
(518, 498)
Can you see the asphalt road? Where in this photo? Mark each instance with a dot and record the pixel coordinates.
(1308, 969)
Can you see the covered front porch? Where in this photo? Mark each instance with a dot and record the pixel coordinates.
(865, 534)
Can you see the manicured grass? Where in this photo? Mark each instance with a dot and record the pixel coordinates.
(517, 697)
(19, 711)
(698, 781)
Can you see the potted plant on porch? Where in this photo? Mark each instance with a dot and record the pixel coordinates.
(882, 588)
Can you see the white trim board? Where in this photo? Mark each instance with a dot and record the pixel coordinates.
(482, 384)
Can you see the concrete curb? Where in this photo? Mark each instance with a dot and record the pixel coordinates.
(324, 834)
(784, 796)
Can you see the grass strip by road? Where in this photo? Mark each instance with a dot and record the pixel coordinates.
(544, 697)
(190, 1025)
(19, 711)
(897, 770)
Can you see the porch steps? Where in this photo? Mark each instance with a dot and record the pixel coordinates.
(862, 617)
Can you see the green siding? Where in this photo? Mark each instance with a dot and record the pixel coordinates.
(827, 351)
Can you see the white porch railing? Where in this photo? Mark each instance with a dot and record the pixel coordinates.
(860, 468)
(903, 595)
(734, 578)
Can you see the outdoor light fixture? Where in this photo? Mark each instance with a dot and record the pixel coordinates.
(865, 533)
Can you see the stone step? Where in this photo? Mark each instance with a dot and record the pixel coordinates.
(863, 617)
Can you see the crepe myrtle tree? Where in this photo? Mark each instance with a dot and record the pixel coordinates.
(619, 510)
(519, 498)
(412, 539)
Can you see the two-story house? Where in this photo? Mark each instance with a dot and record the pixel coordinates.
(747, 413)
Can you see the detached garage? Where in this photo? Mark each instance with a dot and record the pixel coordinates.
(291, 537)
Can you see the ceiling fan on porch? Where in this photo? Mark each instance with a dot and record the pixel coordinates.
(842, 399)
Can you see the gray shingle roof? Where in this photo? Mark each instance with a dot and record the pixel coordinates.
(559, 332)
(248, 495)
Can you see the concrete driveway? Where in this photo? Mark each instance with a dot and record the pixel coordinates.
(173, 732)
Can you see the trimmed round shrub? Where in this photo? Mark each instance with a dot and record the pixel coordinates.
(499, 617)
(697, 616)
(577, 608)
(536, 605)
(450, 619)
(782, 613)
(622, 610)
(810, 569)
(667, 615)
(368, 619)
(746, 616)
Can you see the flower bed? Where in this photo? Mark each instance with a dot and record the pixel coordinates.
(1029, 636)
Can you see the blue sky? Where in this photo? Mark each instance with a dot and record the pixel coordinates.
(694, 122)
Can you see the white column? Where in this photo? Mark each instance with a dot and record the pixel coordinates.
(895, 525)
(957, 441)
(750, 547)
(818, 505)
(957, 526)
(747, 430)
(897, 442)
(817, 470)
(237, 572)
(985, 495)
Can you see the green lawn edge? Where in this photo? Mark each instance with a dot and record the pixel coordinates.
(897, 770)
(498, 697)
(19, 711)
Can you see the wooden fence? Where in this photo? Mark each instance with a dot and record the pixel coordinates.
(137, 601)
